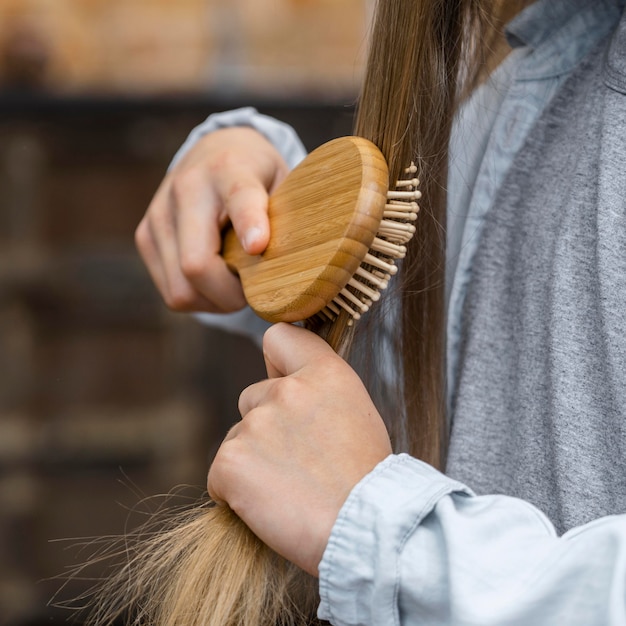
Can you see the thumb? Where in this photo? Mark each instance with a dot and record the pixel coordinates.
(288, 348)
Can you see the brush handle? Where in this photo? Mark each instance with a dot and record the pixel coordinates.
(323, 219)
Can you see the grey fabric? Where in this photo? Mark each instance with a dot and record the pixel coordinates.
(539, 408)
(615, 68)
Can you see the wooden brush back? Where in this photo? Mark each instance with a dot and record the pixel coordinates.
(323, 219)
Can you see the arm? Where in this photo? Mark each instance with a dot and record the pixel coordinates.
(430, 552)
(394, 541)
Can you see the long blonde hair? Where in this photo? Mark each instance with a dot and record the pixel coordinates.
(204, 567)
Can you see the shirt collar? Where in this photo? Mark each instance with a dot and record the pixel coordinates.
(560, 33)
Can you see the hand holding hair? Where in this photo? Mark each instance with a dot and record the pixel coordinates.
(308, 434)
(225, 177)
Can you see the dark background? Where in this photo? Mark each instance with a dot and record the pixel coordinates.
(105, 396)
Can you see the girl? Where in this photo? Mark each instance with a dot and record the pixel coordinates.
(516, 515)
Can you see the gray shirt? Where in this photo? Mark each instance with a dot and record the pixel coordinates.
(539, 406)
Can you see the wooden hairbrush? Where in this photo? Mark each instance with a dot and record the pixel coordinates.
(336, 230)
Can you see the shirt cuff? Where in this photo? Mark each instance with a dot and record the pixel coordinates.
(244, 322)
(282, 136)
(359, 568)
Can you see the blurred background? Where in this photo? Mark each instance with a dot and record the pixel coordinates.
(106, 396)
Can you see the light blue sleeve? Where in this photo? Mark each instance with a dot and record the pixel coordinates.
(286, 141)
(411, 546)
(282, 136)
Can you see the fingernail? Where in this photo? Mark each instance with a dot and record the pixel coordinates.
(251, 238)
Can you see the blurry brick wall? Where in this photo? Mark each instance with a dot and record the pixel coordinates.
(97, 380)
(104, 394)
(284, 46)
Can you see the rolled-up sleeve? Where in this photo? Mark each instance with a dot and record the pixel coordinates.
(411, 546)
(282, 136)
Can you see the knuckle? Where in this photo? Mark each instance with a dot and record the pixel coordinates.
(142, 234)
(242, 402)
(180, 298)
(221, 469)
(250, 421)
(331, 365)
(234, 193)
(239, 183)
(158, 219)
(226, 161)
(193, 266)
(255, 423)
(287, 389)
(186, 181)
(227, 456)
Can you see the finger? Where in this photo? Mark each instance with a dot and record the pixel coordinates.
(213, 482)
(144, 243)
(253, 396)
(177, 292)
(198, 239)
(232, 432)
(156, 252)
(247, 209)
(214, 477)
(245, 198)
(288, 348)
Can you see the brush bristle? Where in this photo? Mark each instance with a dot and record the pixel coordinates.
(389, 245)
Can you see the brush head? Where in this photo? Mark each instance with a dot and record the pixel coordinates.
(324, 218)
